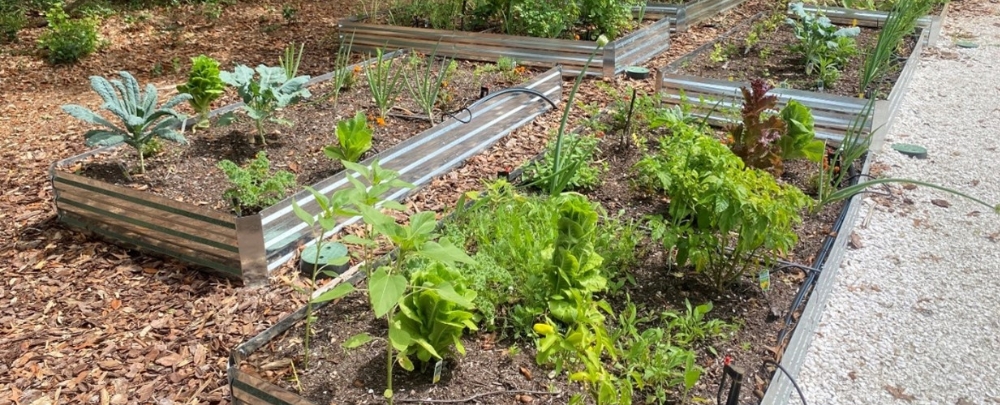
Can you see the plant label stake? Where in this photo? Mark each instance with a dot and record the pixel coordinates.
(764, 278)
(736, 382)
(437, 371)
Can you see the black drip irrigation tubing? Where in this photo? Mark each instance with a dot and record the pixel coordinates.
(468, 109)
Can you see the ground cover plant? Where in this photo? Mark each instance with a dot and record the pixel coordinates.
(320, 125)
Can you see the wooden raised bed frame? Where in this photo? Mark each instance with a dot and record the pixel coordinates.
(247, 248)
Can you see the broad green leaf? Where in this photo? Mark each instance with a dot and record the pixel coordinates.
(393, 205)
(447, 292)
(357, 240)
(404, 362)
(302, 214)
(339, 291)
(356, 341)
(399, 338)
(385, 291)
(444, 252)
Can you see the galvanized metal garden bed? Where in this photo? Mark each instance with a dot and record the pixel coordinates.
(833, 114)
(248, 248)
(632, 49)
(686, 15)
(875, 19)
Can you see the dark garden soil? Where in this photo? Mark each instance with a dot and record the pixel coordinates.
(358, 376)
(189, 173)
(772, 60)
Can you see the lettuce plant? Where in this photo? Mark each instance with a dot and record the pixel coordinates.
(764, 140)
(436, 313)
(204, 86)
(141, 119)
(265, 94)
(354, 138)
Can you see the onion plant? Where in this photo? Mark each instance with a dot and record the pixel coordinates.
(902, 20)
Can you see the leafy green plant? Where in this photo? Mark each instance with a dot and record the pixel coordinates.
(288, 13)
(388, 288)
(690, 327)
(12, 19)
(291, 61)
(436, 312)
(255, 187)
(722, 216)
(821, 44)
(580, 150)
(354, 138)
(650, 361)
(66, 40)
(141, 119)
(383, 81)
(763, 140)
(718, 54)
(265, 94)
(425, 85)
(204, 86)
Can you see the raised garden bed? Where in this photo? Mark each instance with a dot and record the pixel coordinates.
(685, 15)
(246, 248)
(695, 77)
(874, 19)
(632, 49)
(759, 313)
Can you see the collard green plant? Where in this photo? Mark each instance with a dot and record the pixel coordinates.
(255, 187)
(821, 43)
(722, 215)
(764, 140)
(383, 81)
(67, 40)
(354, 138)
(266, 93)
(204, 86)
(140, 117)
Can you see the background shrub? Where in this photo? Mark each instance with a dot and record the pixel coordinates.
(66, 40)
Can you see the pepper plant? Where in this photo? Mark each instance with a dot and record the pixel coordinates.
(266, 93)
(204, 86)
(141, 119)
(722, 215)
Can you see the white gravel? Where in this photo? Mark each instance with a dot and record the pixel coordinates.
(914, 315)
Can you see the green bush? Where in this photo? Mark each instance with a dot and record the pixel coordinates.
(11, 21)
(723, 217)
(66, 40)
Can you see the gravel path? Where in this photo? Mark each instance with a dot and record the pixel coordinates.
(914, 315)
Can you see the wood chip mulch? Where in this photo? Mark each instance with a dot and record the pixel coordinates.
(86, 322)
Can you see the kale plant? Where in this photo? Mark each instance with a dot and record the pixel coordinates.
(264, 95)
(141, 119)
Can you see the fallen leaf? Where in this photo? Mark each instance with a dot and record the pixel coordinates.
(169, 360)
(909, 186)
(855, 241)
(293, 166)
(853, 375)
(116, 303)
(526, 373)
(941, 203)
(994, 237)
(899, 393)
(975, 183)
(973, 214)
